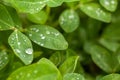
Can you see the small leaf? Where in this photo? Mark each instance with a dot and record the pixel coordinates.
(6, 21)
(54, 3)
(110, 5)
(28, 6)
(73, 76)
(95, 11)
(69, 65)
(42, 70)
(4, 59)
(40, 17)
(47, 37)
(114, 76)
(22, 46)
(69, 20)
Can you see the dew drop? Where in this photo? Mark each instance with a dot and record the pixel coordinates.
(29, 51)
(19, 43)
(47, 32)
(43, 37)
(17, 50)
(41, 44)
(30, 34)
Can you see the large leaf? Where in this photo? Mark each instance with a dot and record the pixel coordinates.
(42, 70)
(69, 65)
(6, 21)
(111, 77)
(73, 76)
(4, 59)
(54, 3)
(106, 60)
(69, 20)
(95, 11)
(28, 6)
(110, 5)
(22, 46)
(47, 37)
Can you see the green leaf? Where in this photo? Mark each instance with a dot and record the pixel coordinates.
(113, 76)
(104, 59)
(39, 18)
(112, 32)
(42, 70)
(95, 11)
(4, 59)
(28, 6)
(109, 44)
(69, 65)
(22, 46)
(110, 5)
(15, 17)
(69, 20)
(54, 3)
(6, 21)
(47, 37)
(73, 76)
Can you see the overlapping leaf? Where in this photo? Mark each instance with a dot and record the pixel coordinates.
(113, 76)
(22, 46)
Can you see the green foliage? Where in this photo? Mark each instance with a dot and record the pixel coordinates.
(59, 40)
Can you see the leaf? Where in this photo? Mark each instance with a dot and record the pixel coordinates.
(112, 32)
(110, 5)
(42, 70)
(102, 58)
(69, 20)
(109, 44)
(22, 46)
(6, 21)
(73, 76)
(4, 59)
(113, 76)
(47, 37)
(95, 11)
(28, 6)
(54, 3)
(15, 17)
(69, 65)
(39, 18)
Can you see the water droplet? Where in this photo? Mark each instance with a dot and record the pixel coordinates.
(42, 44)
(71, 16)
(17, 50)
(28, 75)
(47, 32)
(37, 30)
(29, 51)
(30, 34)
(19, 43)
(35, 71)
(6, 57)
(56, 34)
(43, 37)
